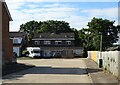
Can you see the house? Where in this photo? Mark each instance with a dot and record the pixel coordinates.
(5, 17)
(54, 39)
(19, 41)
(56, 44)
(118, 39)
(116, 46)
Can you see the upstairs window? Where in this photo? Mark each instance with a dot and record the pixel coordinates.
(37, 42)
(68, 42)
(15, 41)
(47, 42)
(58, 42)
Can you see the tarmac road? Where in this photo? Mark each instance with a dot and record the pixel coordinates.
(51, 71)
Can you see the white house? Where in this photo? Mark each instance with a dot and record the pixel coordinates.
(118, 39)
(19, 41)
(118, 42)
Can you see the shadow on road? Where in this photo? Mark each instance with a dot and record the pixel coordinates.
(52, 70)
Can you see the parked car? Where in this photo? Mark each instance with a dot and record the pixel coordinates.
(34, 52)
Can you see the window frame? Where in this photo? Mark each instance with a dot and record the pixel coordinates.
(57, 42)
(37, 42)
(47, 42)
(68, 42)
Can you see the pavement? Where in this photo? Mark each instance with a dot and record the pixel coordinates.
(65, 71)
(101, 77)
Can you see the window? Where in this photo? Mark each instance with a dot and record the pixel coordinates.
(36, 51)
(37, 42)
(15, 40)
(40, 36)
(68, 42)
(47, 42)
(58, 42)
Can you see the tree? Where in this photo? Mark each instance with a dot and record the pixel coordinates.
(77, 39)
(91, 37)
(86, 37)
(33, 27)
(55, 26)
(30, 28)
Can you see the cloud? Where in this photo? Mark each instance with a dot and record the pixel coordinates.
(53, 5)
(23, 11)
(36, 1)
(33, 6)
(15, 4)
(107, 12)
(44, 10)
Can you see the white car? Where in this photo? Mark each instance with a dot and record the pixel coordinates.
(34, 52)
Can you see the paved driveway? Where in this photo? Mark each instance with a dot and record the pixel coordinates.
(51, 71)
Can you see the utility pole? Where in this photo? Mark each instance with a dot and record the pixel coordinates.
(100, 59)
(101, 42)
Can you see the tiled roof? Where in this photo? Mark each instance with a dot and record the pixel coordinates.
(17, 34)
(54, 35)
(7, 10)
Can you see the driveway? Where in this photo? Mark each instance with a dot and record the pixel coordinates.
(51, 71)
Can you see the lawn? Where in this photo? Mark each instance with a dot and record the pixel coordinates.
(24, 58)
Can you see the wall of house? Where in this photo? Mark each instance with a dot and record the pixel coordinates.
(64, 52)
(19, 39)
(41, 43)
(7, 43)
(119, 39)
(16, 50)
(20, 45)
(1, 57)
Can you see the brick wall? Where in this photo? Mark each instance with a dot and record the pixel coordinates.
(7, 43)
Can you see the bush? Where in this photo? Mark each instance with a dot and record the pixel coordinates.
(25, 53)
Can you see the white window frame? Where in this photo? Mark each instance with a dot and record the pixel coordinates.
(68, 42)
(17, 40)
(37, 42)
(47, 42)
(56, 42)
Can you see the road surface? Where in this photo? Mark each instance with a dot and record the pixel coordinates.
(51, 71)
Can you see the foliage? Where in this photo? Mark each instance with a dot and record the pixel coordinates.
(33, 27)
(55, 26)
(77, 39)
(90, 38)
(30, 28)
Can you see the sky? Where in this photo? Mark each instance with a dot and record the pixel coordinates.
(77, 13)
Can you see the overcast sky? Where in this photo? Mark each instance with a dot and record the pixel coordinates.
(78, 13)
